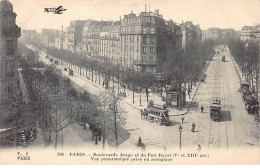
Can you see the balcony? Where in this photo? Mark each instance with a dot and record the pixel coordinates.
(11, 31)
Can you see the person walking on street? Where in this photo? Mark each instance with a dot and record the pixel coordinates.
(201, 108)
(182, 119)
(193, 127)
(139, 143)
(189, 91)
(199, 147)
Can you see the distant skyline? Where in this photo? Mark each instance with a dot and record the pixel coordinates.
(207, 13)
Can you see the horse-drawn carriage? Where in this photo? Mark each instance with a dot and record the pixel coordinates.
(157, 114)
(251, 104)
(244, 87)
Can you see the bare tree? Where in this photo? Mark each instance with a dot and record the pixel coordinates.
(110, 113)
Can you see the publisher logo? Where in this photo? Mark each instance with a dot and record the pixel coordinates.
(22, 156)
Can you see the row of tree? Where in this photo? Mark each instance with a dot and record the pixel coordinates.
(246, 55)
(60, 104)
(178, 67)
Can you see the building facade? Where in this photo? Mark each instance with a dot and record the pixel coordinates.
(190, 33)
(74, 35)
(136, 42)
(29, 35)
(8, 51)
(109, 42)
(144, 39)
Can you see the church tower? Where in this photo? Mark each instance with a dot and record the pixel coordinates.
(9, 33)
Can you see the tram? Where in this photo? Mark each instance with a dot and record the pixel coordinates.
(215, 109)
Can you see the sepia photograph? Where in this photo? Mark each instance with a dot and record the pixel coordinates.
(137, 82)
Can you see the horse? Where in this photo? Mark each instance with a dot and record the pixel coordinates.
(144, 114)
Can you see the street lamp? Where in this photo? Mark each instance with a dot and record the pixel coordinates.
(180, 130)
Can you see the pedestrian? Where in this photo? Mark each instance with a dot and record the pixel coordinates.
(189, 92)
(193, 127)
(201, 108)
(199, 147)
(182, 119)
(139, 143)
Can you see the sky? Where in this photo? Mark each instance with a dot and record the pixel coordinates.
(207, 13)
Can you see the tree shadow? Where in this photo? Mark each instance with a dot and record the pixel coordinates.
(196, 131)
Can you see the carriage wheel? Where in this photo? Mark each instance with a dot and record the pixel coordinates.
(149, 118)
(158, 121)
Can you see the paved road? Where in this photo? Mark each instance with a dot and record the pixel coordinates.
(236, 127)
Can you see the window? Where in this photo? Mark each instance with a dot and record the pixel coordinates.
(144, 49)
(145, 30)
(152, 20)
(144, 39)
(148, 40)
(148, 20)
(152, 50)
(10, 69)
(152, 30)
(10, 47)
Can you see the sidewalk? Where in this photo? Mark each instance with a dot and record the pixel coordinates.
(237, 68)
(129, 94)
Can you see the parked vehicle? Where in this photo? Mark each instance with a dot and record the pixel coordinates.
(215, 109)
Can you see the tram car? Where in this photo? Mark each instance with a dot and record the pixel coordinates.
(158, 114)
(215, 109)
